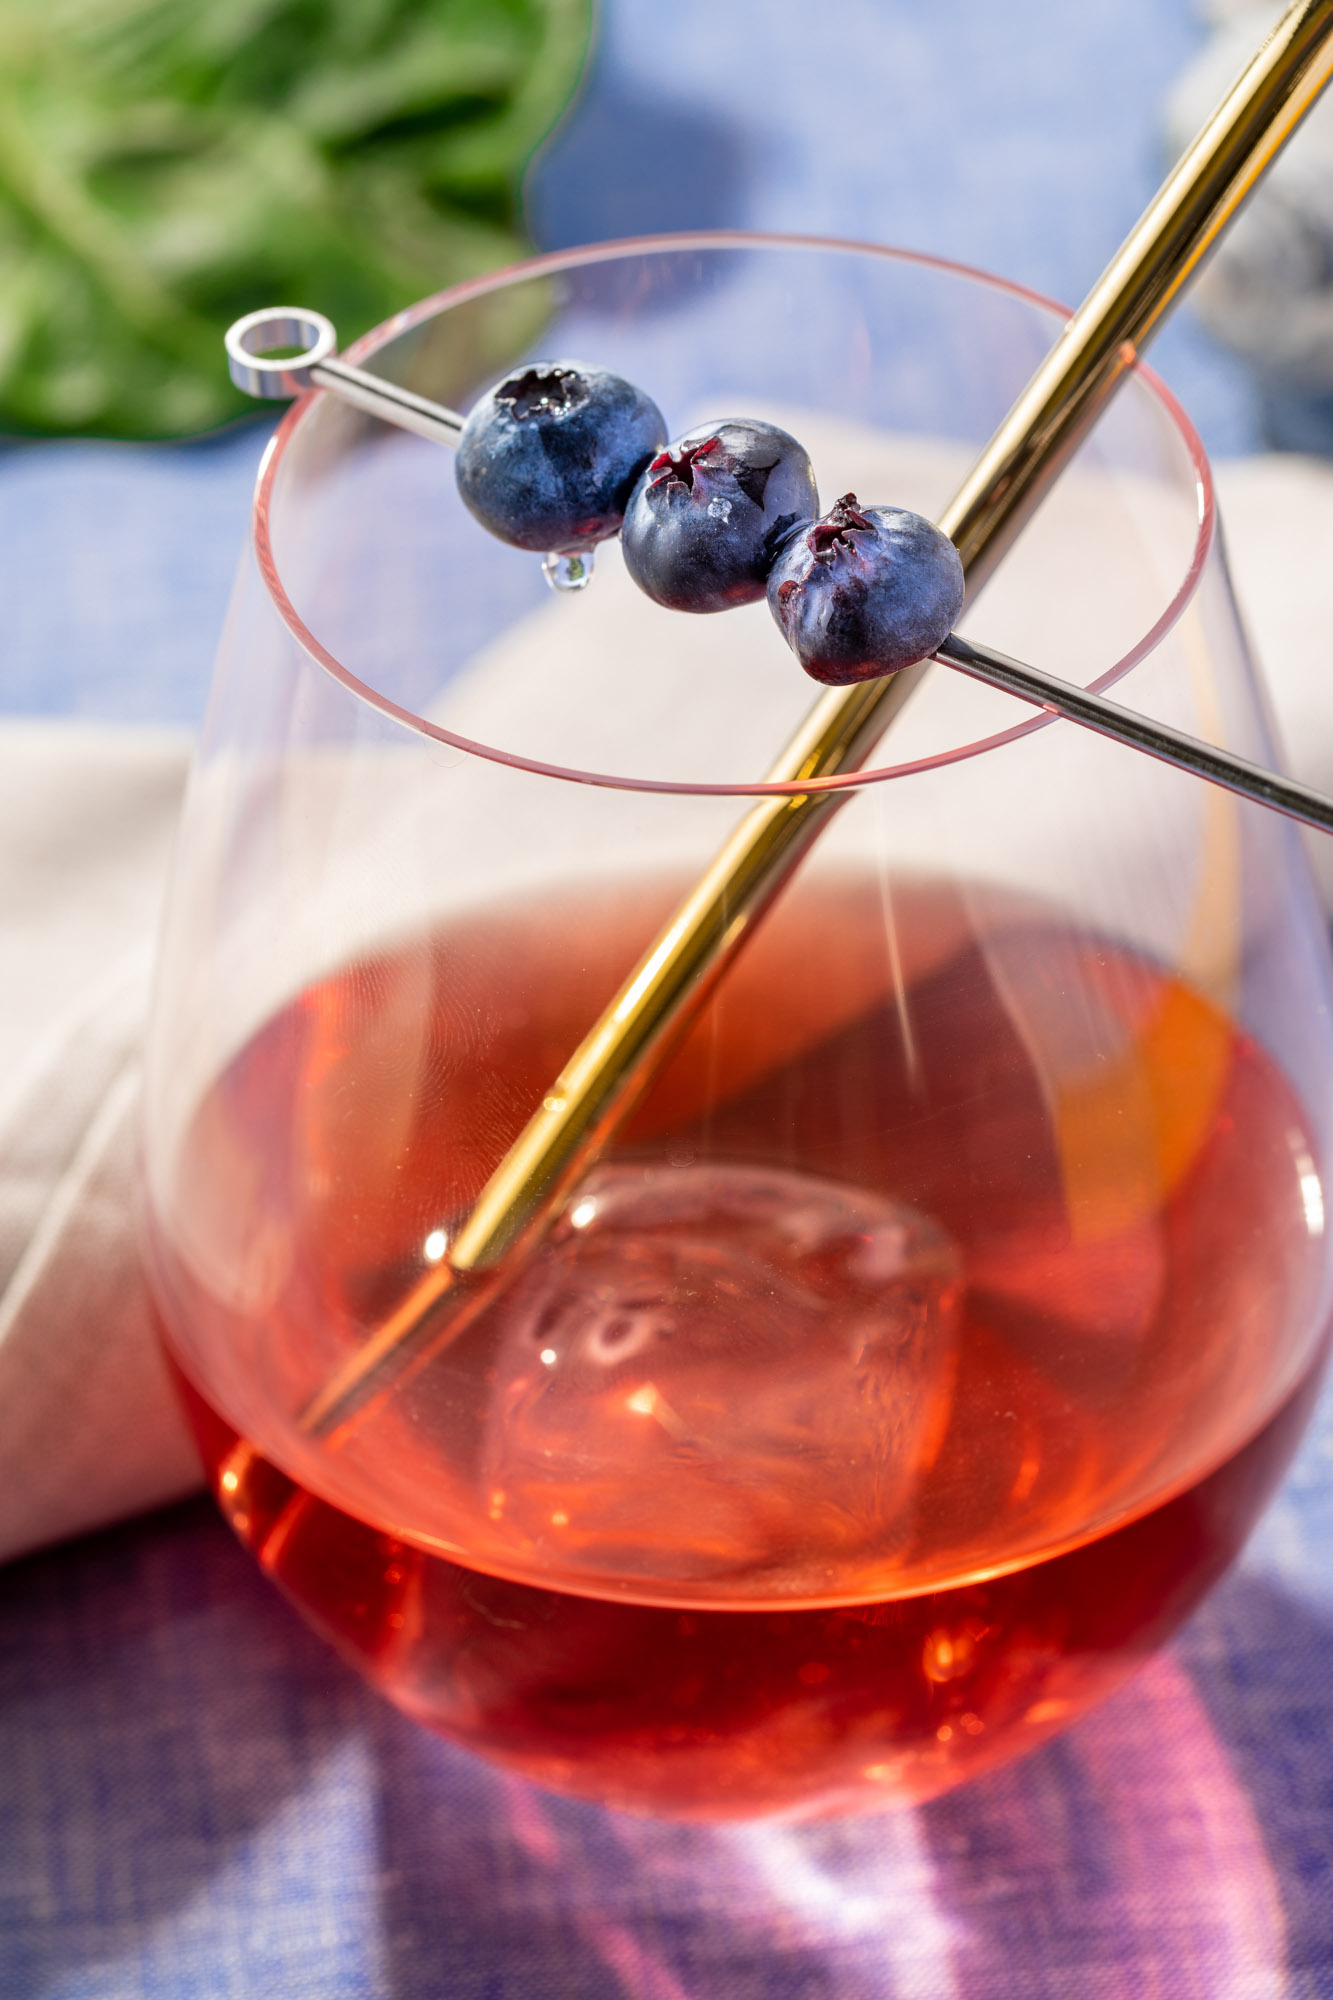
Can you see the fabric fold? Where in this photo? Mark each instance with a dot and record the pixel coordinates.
(89, 1427)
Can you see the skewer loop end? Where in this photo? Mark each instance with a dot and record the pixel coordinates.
(259, 333)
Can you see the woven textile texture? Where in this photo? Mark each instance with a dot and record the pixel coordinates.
(197, 1802)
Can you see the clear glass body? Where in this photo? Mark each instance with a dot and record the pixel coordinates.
(932, 1334)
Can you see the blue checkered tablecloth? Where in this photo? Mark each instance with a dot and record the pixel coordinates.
(197, 1802)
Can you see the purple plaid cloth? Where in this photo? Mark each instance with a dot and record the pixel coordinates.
(196, 1799)
(198, 1803)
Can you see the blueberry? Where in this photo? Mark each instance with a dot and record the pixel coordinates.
(549, 457)
(865, 591)
(711, 511)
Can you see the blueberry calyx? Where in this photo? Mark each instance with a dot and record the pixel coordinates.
(830, 534)
(548, 458)
(865, 591)
(539, 391)
(710, 512)
(676, 464)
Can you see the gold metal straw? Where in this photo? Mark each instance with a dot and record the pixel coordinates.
(610, 1069)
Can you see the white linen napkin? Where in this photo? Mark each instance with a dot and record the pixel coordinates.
(89, 1432)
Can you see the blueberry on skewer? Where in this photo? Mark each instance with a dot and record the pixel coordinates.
(548, 459)
(711, 511)
(253, 337)
(865, 591)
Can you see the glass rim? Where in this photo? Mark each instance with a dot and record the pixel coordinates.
(369, 344)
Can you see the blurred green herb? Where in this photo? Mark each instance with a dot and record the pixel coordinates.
(166, 165)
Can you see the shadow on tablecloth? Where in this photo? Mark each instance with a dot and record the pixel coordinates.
(196, 1800)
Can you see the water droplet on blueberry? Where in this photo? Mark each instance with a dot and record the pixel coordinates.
(865, 591)
(566, 572)
(711, 511)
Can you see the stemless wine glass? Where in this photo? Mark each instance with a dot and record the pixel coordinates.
(931, 1335)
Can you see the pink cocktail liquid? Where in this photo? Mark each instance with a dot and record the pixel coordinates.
(881, 1398)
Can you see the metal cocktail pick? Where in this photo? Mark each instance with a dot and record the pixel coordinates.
(320, 368)
(1101, 343)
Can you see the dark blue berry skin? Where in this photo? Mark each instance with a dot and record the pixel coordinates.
(548, 458)
(711, 511)
(865, 592)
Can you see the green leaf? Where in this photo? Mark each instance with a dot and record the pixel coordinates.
(166, 165)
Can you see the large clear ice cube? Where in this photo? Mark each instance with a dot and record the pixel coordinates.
(715, 1370)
